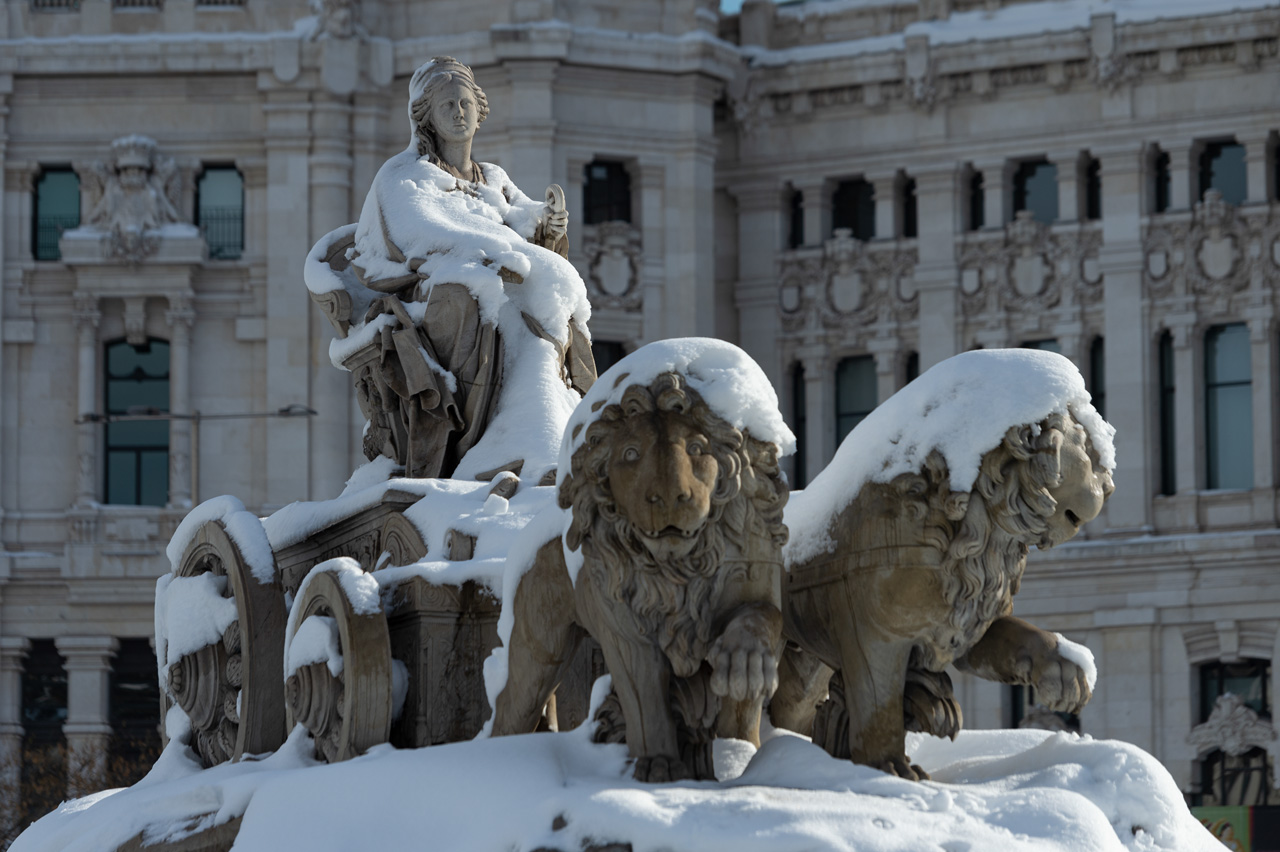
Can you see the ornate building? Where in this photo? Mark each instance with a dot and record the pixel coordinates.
(852, 191)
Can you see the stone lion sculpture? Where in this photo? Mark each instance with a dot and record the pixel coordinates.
(922, 576)
(678, 517)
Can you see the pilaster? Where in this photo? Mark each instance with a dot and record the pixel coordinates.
(997, 198)
(886, 199)
(1262, 340)
(87, 729)
(1182, 174)
(1069, 184)
(13, 651)
(1258, 148)
(820, 409)
(816, 202)
(938, 200)
(87, 316)
(653, 181)
(760, 212)
(183, 489)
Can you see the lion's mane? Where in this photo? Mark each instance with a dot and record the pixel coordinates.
(674, 601)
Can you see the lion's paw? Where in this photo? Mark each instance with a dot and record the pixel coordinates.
(1060, 684)
(659, 769)
(743, 664)
(901, 766)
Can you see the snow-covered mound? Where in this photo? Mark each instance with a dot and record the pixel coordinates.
(962, 408)
(1032, 791)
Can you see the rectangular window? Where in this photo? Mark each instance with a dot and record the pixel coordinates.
(795, 221)
(1050, 345)
(1163, 179)
(1228, 402)
(56, 209)
(1168, 428)
(853, 206)
(1093, 190)
(220, 211)
(855, 392)
(912, 367)
(1098, 375)
(910, 216)
(799, 416)
(134, 709)
(606, 193)
(977, 202)
(1035, 188)
(606, 353)
(137, 451)
(1222, 168)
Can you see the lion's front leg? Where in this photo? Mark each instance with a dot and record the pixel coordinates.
(1013, 651)
(744, 669)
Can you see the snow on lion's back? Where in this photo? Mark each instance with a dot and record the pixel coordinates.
(961, 407)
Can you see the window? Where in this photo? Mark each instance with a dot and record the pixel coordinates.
(1093, 190)
(57, 208)
(606, 193)
(1222, 168)
(855, 392)
(853, 206)
(220, 211)
(1168, 430)
(137, 451)
(1098, 375)
(1243, 780)
(910, 225)
(977, 202)
(134, 703)
(795, 220)
(44, 693)
(1050, 345)
(911, 369)
(1228, 407)
(606, 353)
(1035, 188)
(1162, 177)
(799, 417)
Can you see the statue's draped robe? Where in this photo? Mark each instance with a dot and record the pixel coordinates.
(445, 363)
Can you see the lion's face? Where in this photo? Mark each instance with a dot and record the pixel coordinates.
(1081, 491)
(662, 476)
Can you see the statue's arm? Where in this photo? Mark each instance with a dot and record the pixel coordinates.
(1016, 652)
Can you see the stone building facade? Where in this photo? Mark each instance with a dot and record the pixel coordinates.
(852, 191)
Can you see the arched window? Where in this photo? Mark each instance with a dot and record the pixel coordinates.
(137, 451)
(1222, 168)
(56, 207)
(1228, 402)
(856, 394)
(606, 193)
(220, 211)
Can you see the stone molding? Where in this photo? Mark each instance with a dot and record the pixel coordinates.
(1232, 727)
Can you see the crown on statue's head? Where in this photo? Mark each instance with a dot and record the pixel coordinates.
(135, 150)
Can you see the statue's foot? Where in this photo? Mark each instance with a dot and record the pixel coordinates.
(659, 769)
(902, 767)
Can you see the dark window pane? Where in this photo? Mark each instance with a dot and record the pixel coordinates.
(795, 228)
(1035, 188)
(1093, 191)
(153, 477)
(606, 193)
(122, 477)
(1163, 180)
(800, 419)
(1098, 375)
(57, 208)
(1222, 168)
(220, 211)
(913, 367)
(977, 202)
(137, 451)
(1228, 407)
(855, 392)
(1050, 345)
(853, 206)
(1168, 432)
(910, 224)
(1248, 679)
(44, 693)
(606, 353)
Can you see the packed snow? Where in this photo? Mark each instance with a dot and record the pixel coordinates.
(1025, 790)
(316, 641)
(242, 527)
(960, 407)
(193, 612)
(1081, 656)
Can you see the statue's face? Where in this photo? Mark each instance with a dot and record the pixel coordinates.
(1081, 492)
(454, 113)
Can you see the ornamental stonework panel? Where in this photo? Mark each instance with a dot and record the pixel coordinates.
(848, 283)
(613, 255)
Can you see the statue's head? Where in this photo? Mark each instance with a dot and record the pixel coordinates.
(445, 104)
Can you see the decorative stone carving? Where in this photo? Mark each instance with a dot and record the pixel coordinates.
(613, 253)
(441, 243)
(338, 19)
(132, 194)
(928, 575)
(1233, 727)
(1030, 269)
(679, 519)
(852, 283)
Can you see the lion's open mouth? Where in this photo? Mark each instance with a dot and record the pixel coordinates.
(671, 531)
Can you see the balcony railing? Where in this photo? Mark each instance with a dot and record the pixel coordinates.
(48, 230)
(223, 229)
(220, 2)
(135, 4)
(56, 5)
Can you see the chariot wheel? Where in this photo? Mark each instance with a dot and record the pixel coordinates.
(230, 689)
(338, 675)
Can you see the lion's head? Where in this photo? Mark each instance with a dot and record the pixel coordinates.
(1039, 486)
(659, 489)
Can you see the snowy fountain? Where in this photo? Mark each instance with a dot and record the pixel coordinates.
(776, 664)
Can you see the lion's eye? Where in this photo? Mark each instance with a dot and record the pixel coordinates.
(631, 454)
(696, 448)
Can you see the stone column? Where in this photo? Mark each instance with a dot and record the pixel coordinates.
(1262, 368)
(760, 216)
(331, 388)
(886, 352)
(1182, 174)
(820, 409)
(87, 729)
(87, 317)
(653, 179)
(938, 202)
(13, 649)
(1069, 184)
(997, 200)
(886, 196)
(815, 200)
(1187, 408)
(1258, 165)
(690, 214)
(181, 316)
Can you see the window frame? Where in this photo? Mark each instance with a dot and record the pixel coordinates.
(617, 196)
(1026, 170)
(64, 223)
(858, 414)
(1204, 169)
(1212, 466)
(219, 249)
(853, 206)
(138, 450)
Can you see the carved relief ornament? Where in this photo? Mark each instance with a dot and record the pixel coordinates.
(613, 253)
(1232, 727)
(849, 284)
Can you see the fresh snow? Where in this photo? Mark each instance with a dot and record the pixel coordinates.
(192, 612)
(242, 527)
(1081, 656)
(316, 641)
(962, 408)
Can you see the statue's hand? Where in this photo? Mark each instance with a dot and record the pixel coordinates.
(743, 664)
(555, 218)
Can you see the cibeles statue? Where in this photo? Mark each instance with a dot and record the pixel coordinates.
(133, 195)
(464, 325)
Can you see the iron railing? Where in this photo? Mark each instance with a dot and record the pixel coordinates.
(48, 230)
(223, 229)
(135, 4)
(56, 5)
